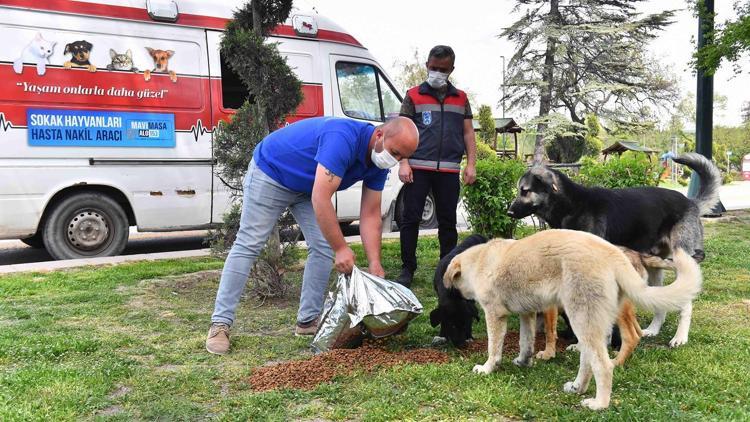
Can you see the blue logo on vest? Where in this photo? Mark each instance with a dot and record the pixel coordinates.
(426, 117)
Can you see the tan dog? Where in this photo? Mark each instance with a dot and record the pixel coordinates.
(627, 322)
(161, 63)
(581, 272)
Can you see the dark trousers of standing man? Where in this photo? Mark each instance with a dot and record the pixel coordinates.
(445, 189)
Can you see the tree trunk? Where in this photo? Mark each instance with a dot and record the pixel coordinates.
(545, 100)
(274, 242)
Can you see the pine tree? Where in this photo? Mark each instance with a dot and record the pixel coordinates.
(586, 56)
(274, 92)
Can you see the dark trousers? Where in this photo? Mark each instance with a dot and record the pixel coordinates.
(445, 189)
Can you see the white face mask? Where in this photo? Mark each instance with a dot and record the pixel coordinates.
(383, 159)
(437, 79)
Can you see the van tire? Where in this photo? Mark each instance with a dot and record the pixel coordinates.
(34, 241)
(429, 215)
(86, 225)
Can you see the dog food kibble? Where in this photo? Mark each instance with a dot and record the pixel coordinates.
(510, 345)
(308, 373)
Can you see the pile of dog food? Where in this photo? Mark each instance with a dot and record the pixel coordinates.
(308, 373)
(510, 345)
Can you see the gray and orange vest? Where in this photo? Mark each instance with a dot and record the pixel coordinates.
(441, 128)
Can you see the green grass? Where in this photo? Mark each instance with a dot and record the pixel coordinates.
(126, 342)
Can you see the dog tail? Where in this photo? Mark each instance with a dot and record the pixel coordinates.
(684, 289)
(710, 180)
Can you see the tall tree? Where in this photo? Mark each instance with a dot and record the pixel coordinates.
(273, 92)
(730, 40)
(746, 113)
(586, 56)
(487, 132)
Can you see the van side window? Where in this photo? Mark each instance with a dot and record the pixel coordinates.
(391, 100)
(358, 88)
(233, 91)
(365, 93)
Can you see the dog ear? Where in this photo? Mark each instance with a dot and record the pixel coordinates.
(67, 48)
(88, 45)
(452, 273)
(547, 177)
(436, 317)
(150, 51)
(170, 53)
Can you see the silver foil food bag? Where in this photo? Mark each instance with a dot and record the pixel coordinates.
(363, 304)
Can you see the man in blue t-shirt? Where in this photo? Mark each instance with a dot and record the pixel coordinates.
(300, 167)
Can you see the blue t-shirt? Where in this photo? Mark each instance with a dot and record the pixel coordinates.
(291, 155)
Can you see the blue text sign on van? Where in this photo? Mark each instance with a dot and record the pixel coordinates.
(87, 128)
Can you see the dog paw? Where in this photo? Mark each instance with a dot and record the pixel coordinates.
(439, 341)
(678, 341)
(593, 404)
(571, 387)
(481, 369)
(572, 348)
(67, 65)
(519, 361)
(92, 68)
(543, 355)
(651, 332)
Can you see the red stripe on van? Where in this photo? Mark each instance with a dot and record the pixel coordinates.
(140, 14)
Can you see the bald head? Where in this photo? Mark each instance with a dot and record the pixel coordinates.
(401, 137)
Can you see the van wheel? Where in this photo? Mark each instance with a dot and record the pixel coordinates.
(429, 213)
(34, 241)
(86, 225)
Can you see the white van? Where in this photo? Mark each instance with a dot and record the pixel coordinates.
(107, 113)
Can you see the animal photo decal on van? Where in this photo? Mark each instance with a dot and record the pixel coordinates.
(80, 52)
(121, 61)
(36, 52)
(161, 63)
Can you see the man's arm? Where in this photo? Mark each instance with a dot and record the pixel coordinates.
(470, 172)
(325, 185)
(371, 228)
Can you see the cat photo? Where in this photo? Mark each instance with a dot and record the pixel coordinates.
(121, 61)
(37, 52)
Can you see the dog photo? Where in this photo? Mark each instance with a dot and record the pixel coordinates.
(161, 63)
(80, 52)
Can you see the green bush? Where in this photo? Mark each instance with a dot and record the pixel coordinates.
(485, 152)
(488, 199)
(628, 170)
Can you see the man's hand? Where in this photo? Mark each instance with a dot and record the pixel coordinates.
(404, 172)
(345, 260)
(376, 269)
(470, 174)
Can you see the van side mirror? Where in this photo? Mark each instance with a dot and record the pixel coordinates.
(162, 10)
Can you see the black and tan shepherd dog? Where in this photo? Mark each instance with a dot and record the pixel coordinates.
(454, 314)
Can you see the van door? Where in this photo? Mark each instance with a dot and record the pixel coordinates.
(361, 91)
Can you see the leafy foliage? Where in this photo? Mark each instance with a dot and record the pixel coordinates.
(485, 152)
(487, 132)
(628, 170)
(587, 57)
(731, 40)
(273, 12)
(488, 199)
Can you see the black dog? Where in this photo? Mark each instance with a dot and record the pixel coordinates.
(454, 314)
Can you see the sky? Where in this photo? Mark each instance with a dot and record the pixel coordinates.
(393, 29)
